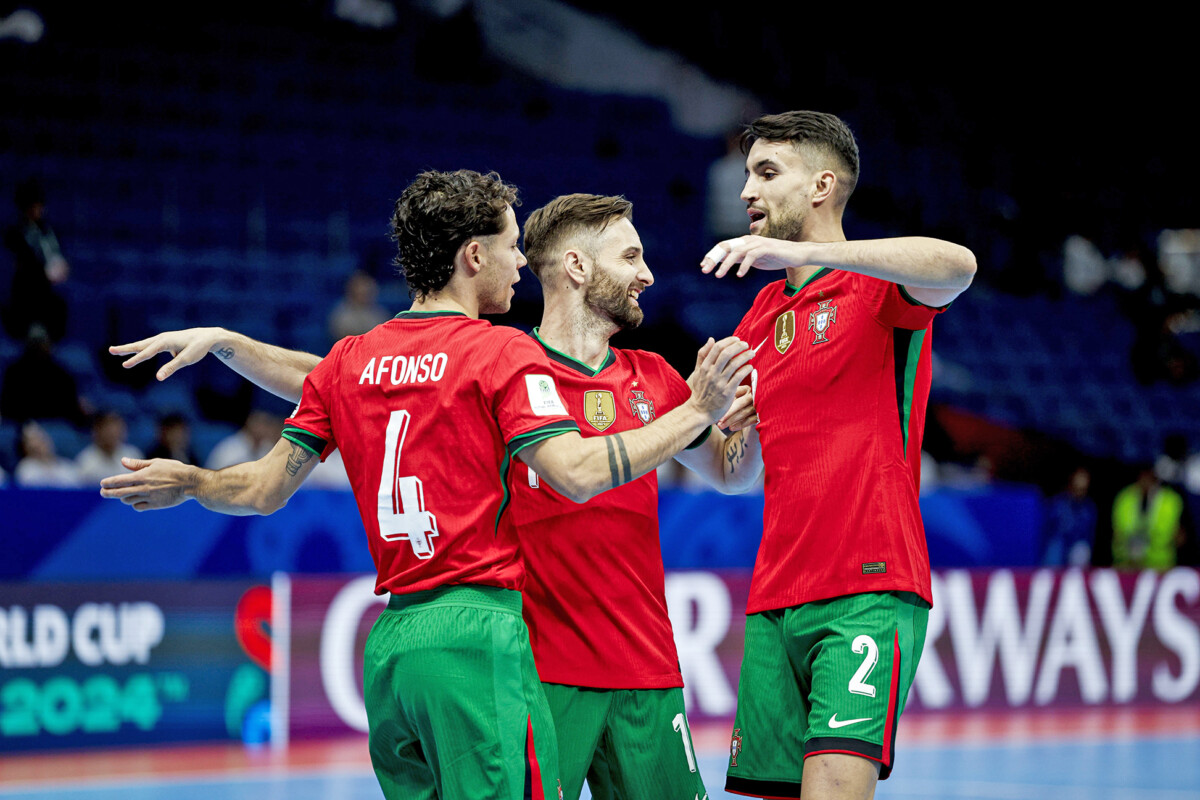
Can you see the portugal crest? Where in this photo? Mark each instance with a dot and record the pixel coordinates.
(785, 331)
(735, 746)
(820, 320)
(642, 406)
(599, 409)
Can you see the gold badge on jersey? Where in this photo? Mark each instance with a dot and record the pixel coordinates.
(599, 409)
(785, 331)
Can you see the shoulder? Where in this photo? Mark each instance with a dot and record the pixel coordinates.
(646, 361)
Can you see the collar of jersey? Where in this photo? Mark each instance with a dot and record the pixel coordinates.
(574, 363)
(790, 290)
(427, 314)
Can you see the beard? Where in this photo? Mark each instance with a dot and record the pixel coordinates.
(786, 224)
(612, 299)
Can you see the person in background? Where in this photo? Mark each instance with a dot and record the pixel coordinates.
(1147, 520)
(250, 443)
(358, 311)
(40, 268)
(37, 386)
(173, 440)
(103, 456)
(40, 465)
(1071, 516)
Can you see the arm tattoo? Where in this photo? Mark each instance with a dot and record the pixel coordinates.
(612, 462)
(296, 459)
(225, 353)
(735, 451)
(627, 470)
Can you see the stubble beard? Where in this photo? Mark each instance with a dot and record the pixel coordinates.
(789, 225)
(611, 299)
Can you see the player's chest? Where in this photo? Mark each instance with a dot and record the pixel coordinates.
(604, 404)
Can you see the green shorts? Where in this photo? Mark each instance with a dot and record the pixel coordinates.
(454, 704)
(825, 677)
(627, 743)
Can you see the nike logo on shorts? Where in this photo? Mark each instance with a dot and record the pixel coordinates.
(834, 722)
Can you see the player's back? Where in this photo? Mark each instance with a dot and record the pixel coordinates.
(426, 409)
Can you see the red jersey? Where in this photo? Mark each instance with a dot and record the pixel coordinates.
(596, 609)
(428, 410)
(841, 379)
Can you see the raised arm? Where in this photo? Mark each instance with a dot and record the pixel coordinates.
(580, 468)
(729, 463)
(256, 487)
(933, 271)
(278, 370)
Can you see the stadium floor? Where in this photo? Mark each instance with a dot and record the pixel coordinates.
(1126, 754)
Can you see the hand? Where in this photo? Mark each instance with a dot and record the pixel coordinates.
(754, 251)
(155, 483)
(187, 347)
(720, 369)
(742, 414)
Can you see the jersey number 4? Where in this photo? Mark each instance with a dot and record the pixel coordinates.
(402, 513)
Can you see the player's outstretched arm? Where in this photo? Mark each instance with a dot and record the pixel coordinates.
(729, 463)
(256, 487)
(581, 468)
(276, 369)
(933, 271)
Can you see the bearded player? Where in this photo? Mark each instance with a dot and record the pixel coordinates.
(841, 592)
(603, 647)
(428, 409)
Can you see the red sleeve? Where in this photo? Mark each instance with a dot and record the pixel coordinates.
(525, 399)
(891, 305)
(309, 426)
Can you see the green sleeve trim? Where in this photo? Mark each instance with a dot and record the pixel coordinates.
(701, 439)
(309, 441)
(520, 442)
(914, 302)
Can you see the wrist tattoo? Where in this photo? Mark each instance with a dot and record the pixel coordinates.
(224, 353)
(296, 459)
(628, 470)
(612, 462)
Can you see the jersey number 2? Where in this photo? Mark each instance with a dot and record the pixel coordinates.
(402, 513)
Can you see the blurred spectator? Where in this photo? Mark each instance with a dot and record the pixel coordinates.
(1085, 269)
(1147, 520)
(358, 311)
(40, 266)
(726, 216)
(1071, 518)
(173, 440)
(40, 465)
(253, 441)
(103, 456)
(36, 386)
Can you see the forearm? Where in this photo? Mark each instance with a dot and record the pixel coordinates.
(278, 370)
(730, 464)
(913, 261)
(235, 490)
(581, 468)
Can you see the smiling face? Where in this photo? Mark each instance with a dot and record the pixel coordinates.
(779, 190)
(619, 275)
(503, 260)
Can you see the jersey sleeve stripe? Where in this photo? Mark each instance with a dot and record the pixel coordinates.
(701, 439)
(309, 441)
(907, 354)
(549, 430)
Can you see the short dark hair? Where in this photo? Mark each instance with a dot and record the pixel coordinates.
(824, 134)
(436, 214)
(550, 226)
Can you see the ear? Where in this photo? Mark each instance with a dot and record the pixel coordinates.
(470, 256)
(825, 184)
(575, 267)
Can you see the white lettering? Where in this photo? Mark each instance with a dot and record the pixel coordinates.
(1123, 627)
(439, 366)
(424, 373)
(410, 370)
(51, 635)
(383, 362)
(699, 606)
(20, 653)
(397, 370)
(977, 642)
(118, 635)
(368, 374)
(1177, 633)
(338, 635)
(86, 620)
(931, 680)
(1072, 642)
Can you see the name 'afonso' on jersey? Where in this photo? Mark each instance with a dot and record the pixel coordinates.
(404, 369)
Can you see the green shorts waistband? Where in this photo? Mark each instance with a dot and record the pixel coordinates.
(460, 595)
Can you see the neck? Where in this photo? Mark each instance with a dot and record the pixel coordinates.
(820, 229)
(448, 300)
(576, 331)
